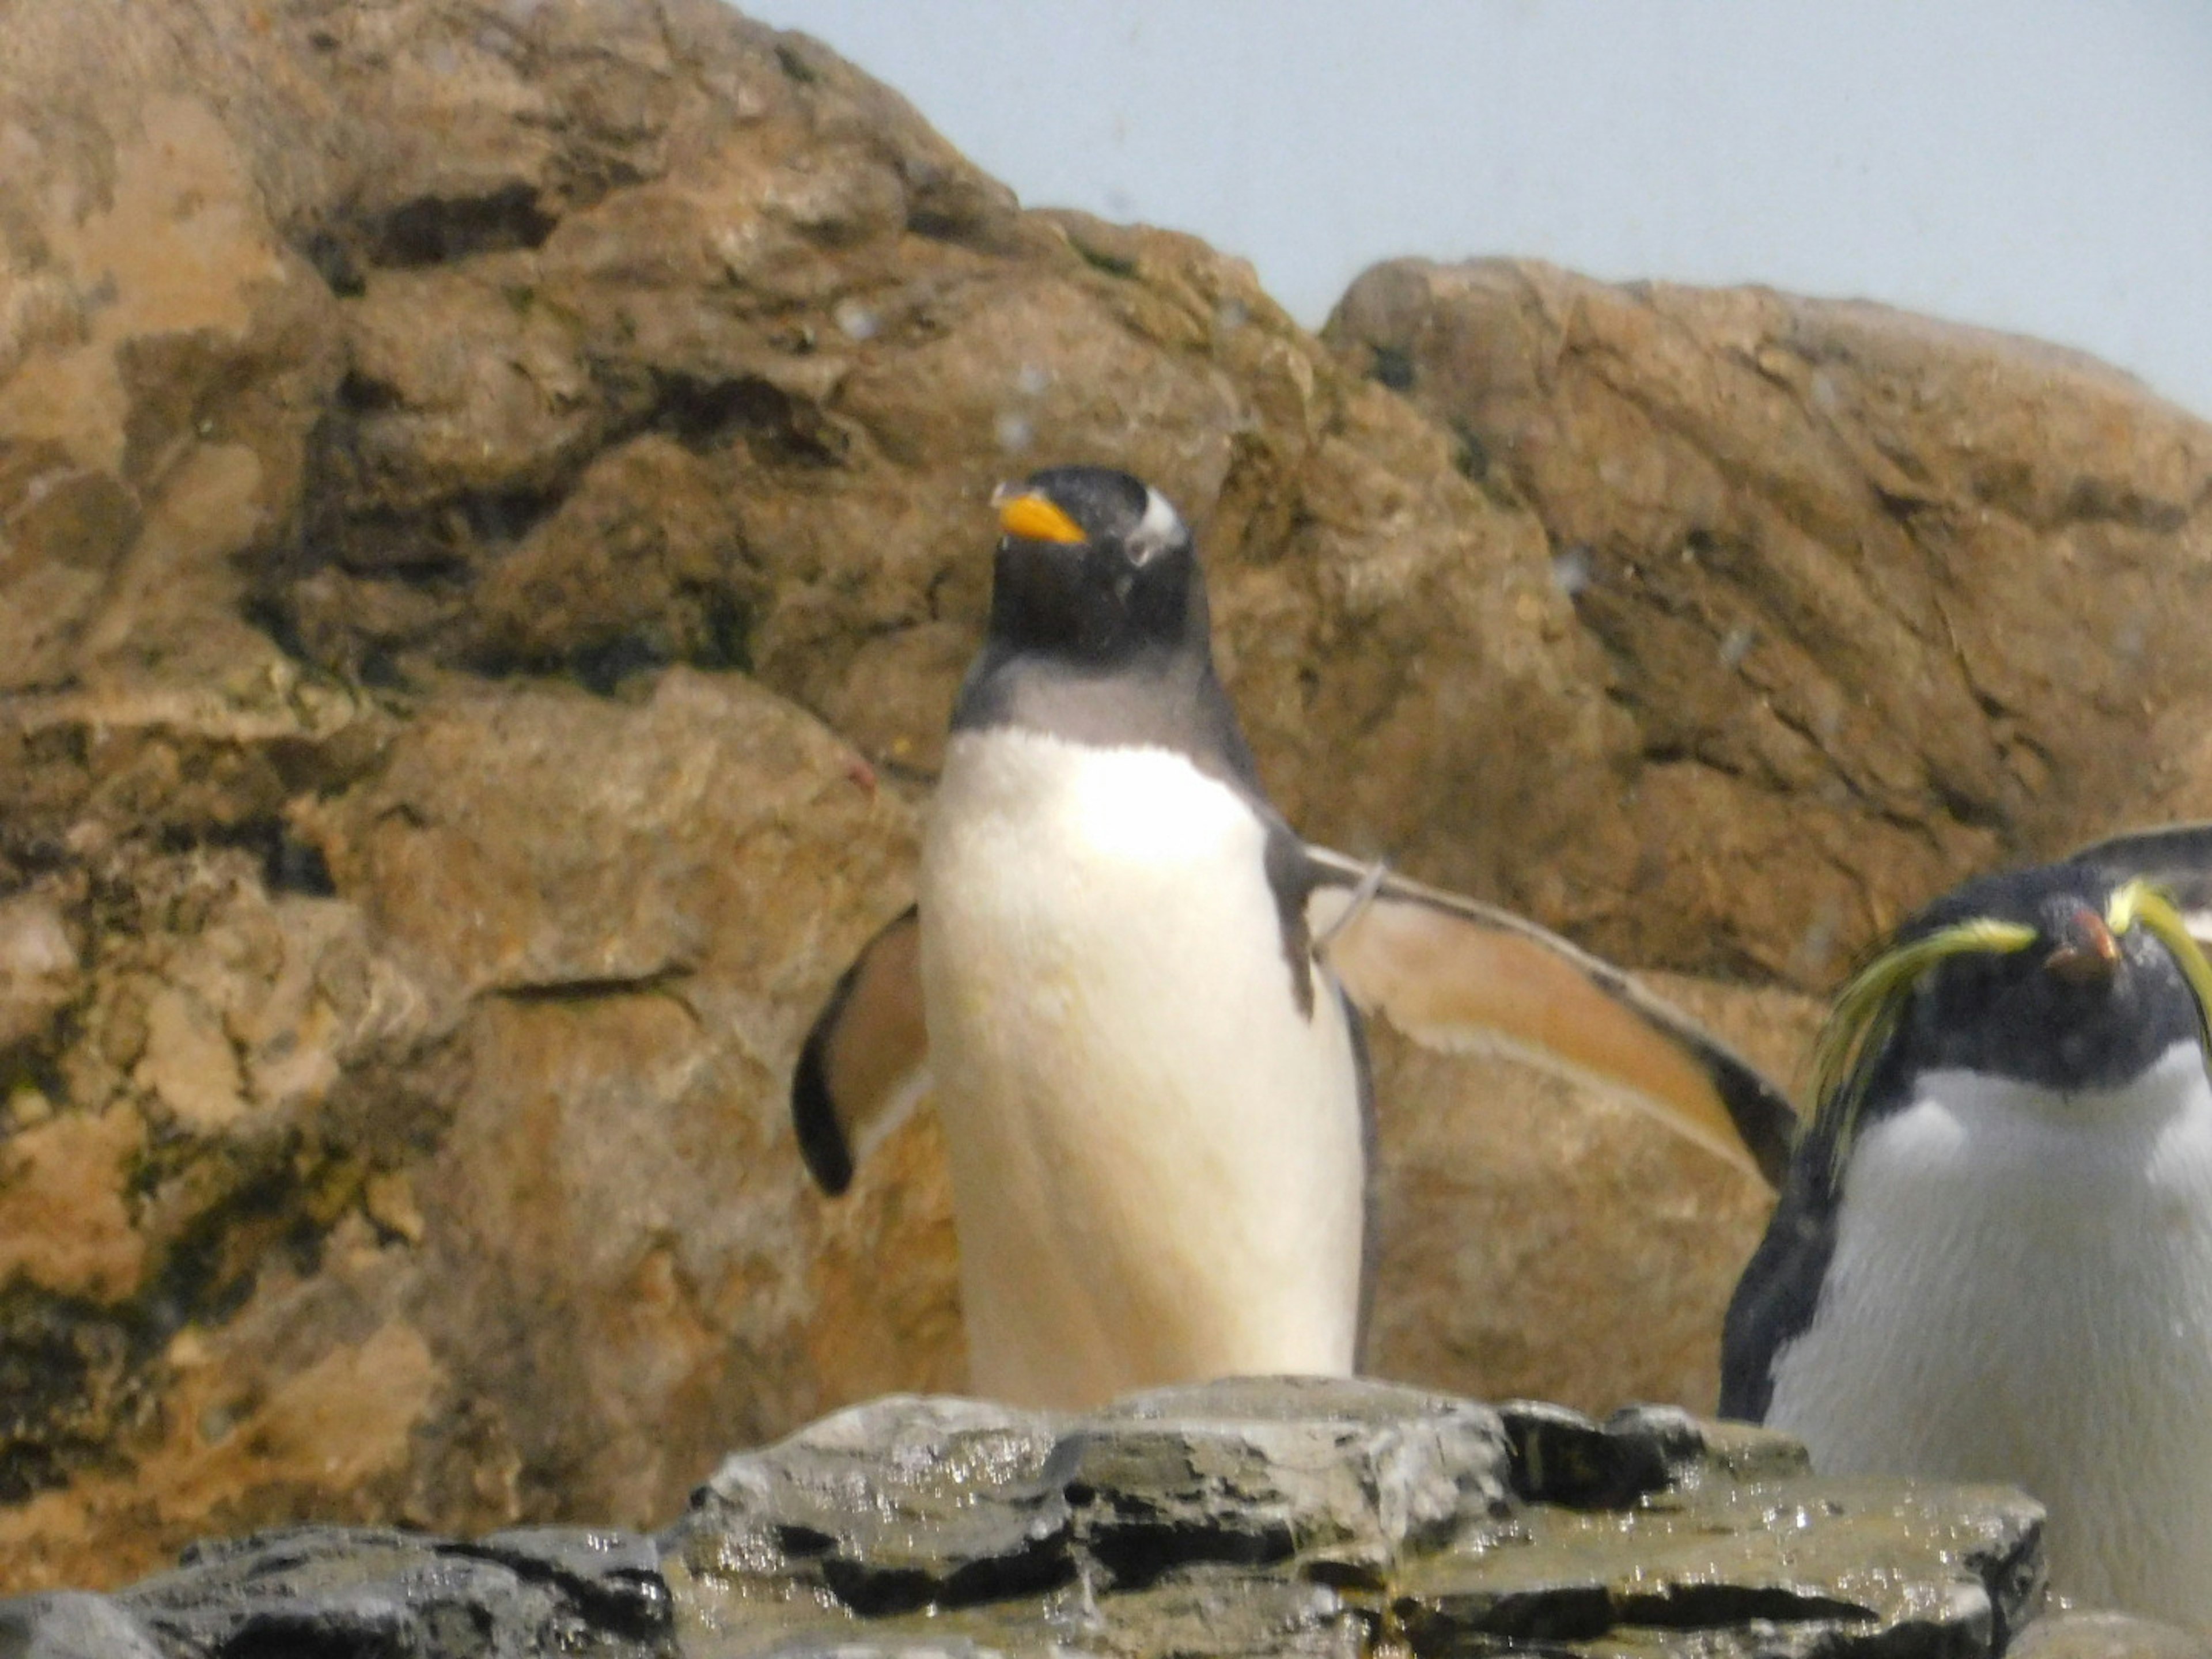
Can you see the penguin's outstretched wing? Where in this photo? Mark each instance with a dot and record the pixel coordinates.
(865, 1062)
(2177, 857)
(1455, 975)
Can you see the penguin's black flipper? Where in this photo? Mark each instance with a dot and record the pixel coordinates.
(2177, 857)
(865, 1062)
(1455, 975)
(1779, 1292)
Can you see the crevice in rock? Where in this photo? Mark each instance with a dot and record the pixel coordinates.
(594, 990)
(310, 1632)
(1573, 1613)
(940, 226)
(878, 1592)
(1392, 365)
(1966, 810)
(799, 1541)
(1556, 1457)
(332, 256)
(1139, 1552)
(508, 515)
(1099, 259)
(628, 1596)
(67, 1382)
(437, 230)
(288, 864)
(1711, 1606)
(792, 63)
(2099, 501)
(1042, 1566)
(267, 611)
(363, 394)
(699, 412)
(1470, 454)
(719, 638)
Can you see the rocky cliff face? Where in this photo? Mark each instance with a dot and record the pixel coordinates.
(492, 510)
(1886, 600)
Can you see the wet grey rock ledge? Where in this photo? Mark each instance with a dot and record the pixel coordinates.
(368, 1593)
(1268, 1516)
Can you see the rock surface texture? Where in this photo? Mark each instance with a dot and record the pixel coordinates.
(1886, 600)
(492, 512)
(1257, 1516)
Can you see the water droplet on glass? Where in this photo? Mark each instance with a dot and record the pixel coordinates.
(1015, 433)
(1572, 570)
(857, 320)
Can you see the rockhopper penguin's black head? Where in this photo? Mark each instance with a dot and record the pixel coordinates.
(2066, 977)
(1095, 569)
(2086, 998)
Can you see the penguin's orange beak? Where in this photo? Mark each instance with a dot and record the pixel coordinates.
(1032, 518)
(2087, 954)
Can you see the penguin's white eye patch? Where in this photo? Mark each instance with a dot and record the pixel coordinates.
(1158, 530)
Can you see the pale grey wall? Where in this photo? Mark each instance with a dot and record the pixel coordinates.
(2039, 164)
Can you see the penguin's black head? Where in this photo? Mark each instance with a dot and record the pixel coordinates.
(2073, 991)
(1094, 567)
(2066, 977)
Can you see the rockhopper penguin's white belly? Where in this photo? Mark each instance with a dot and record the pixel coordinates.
(2021, 1290)
(1157, 1156)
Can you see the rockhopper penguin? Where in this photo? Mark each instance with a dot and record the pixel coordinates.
(1992, 1260)
(1125, 983)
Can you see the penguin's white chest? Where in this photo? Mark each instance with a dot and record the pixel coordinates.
(1156, 1154)
(2021, 1290)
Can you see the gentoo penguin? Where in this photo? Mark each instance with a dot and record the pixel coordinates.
(1992, 1260)
(1125, 983)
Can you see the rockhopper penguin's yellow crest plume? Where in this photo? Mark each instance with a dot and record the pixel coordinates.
(1134, 994)
(1992, 1260)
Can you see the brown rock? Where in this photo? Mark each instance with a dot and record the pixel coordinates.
(1886, 599)
(163, 353)
(64, 1226)
(615, 1162)
(39, 972)
(639, 564)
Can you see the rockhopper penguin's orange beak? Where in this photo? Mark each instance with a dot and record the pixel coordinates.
(2087, 954)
